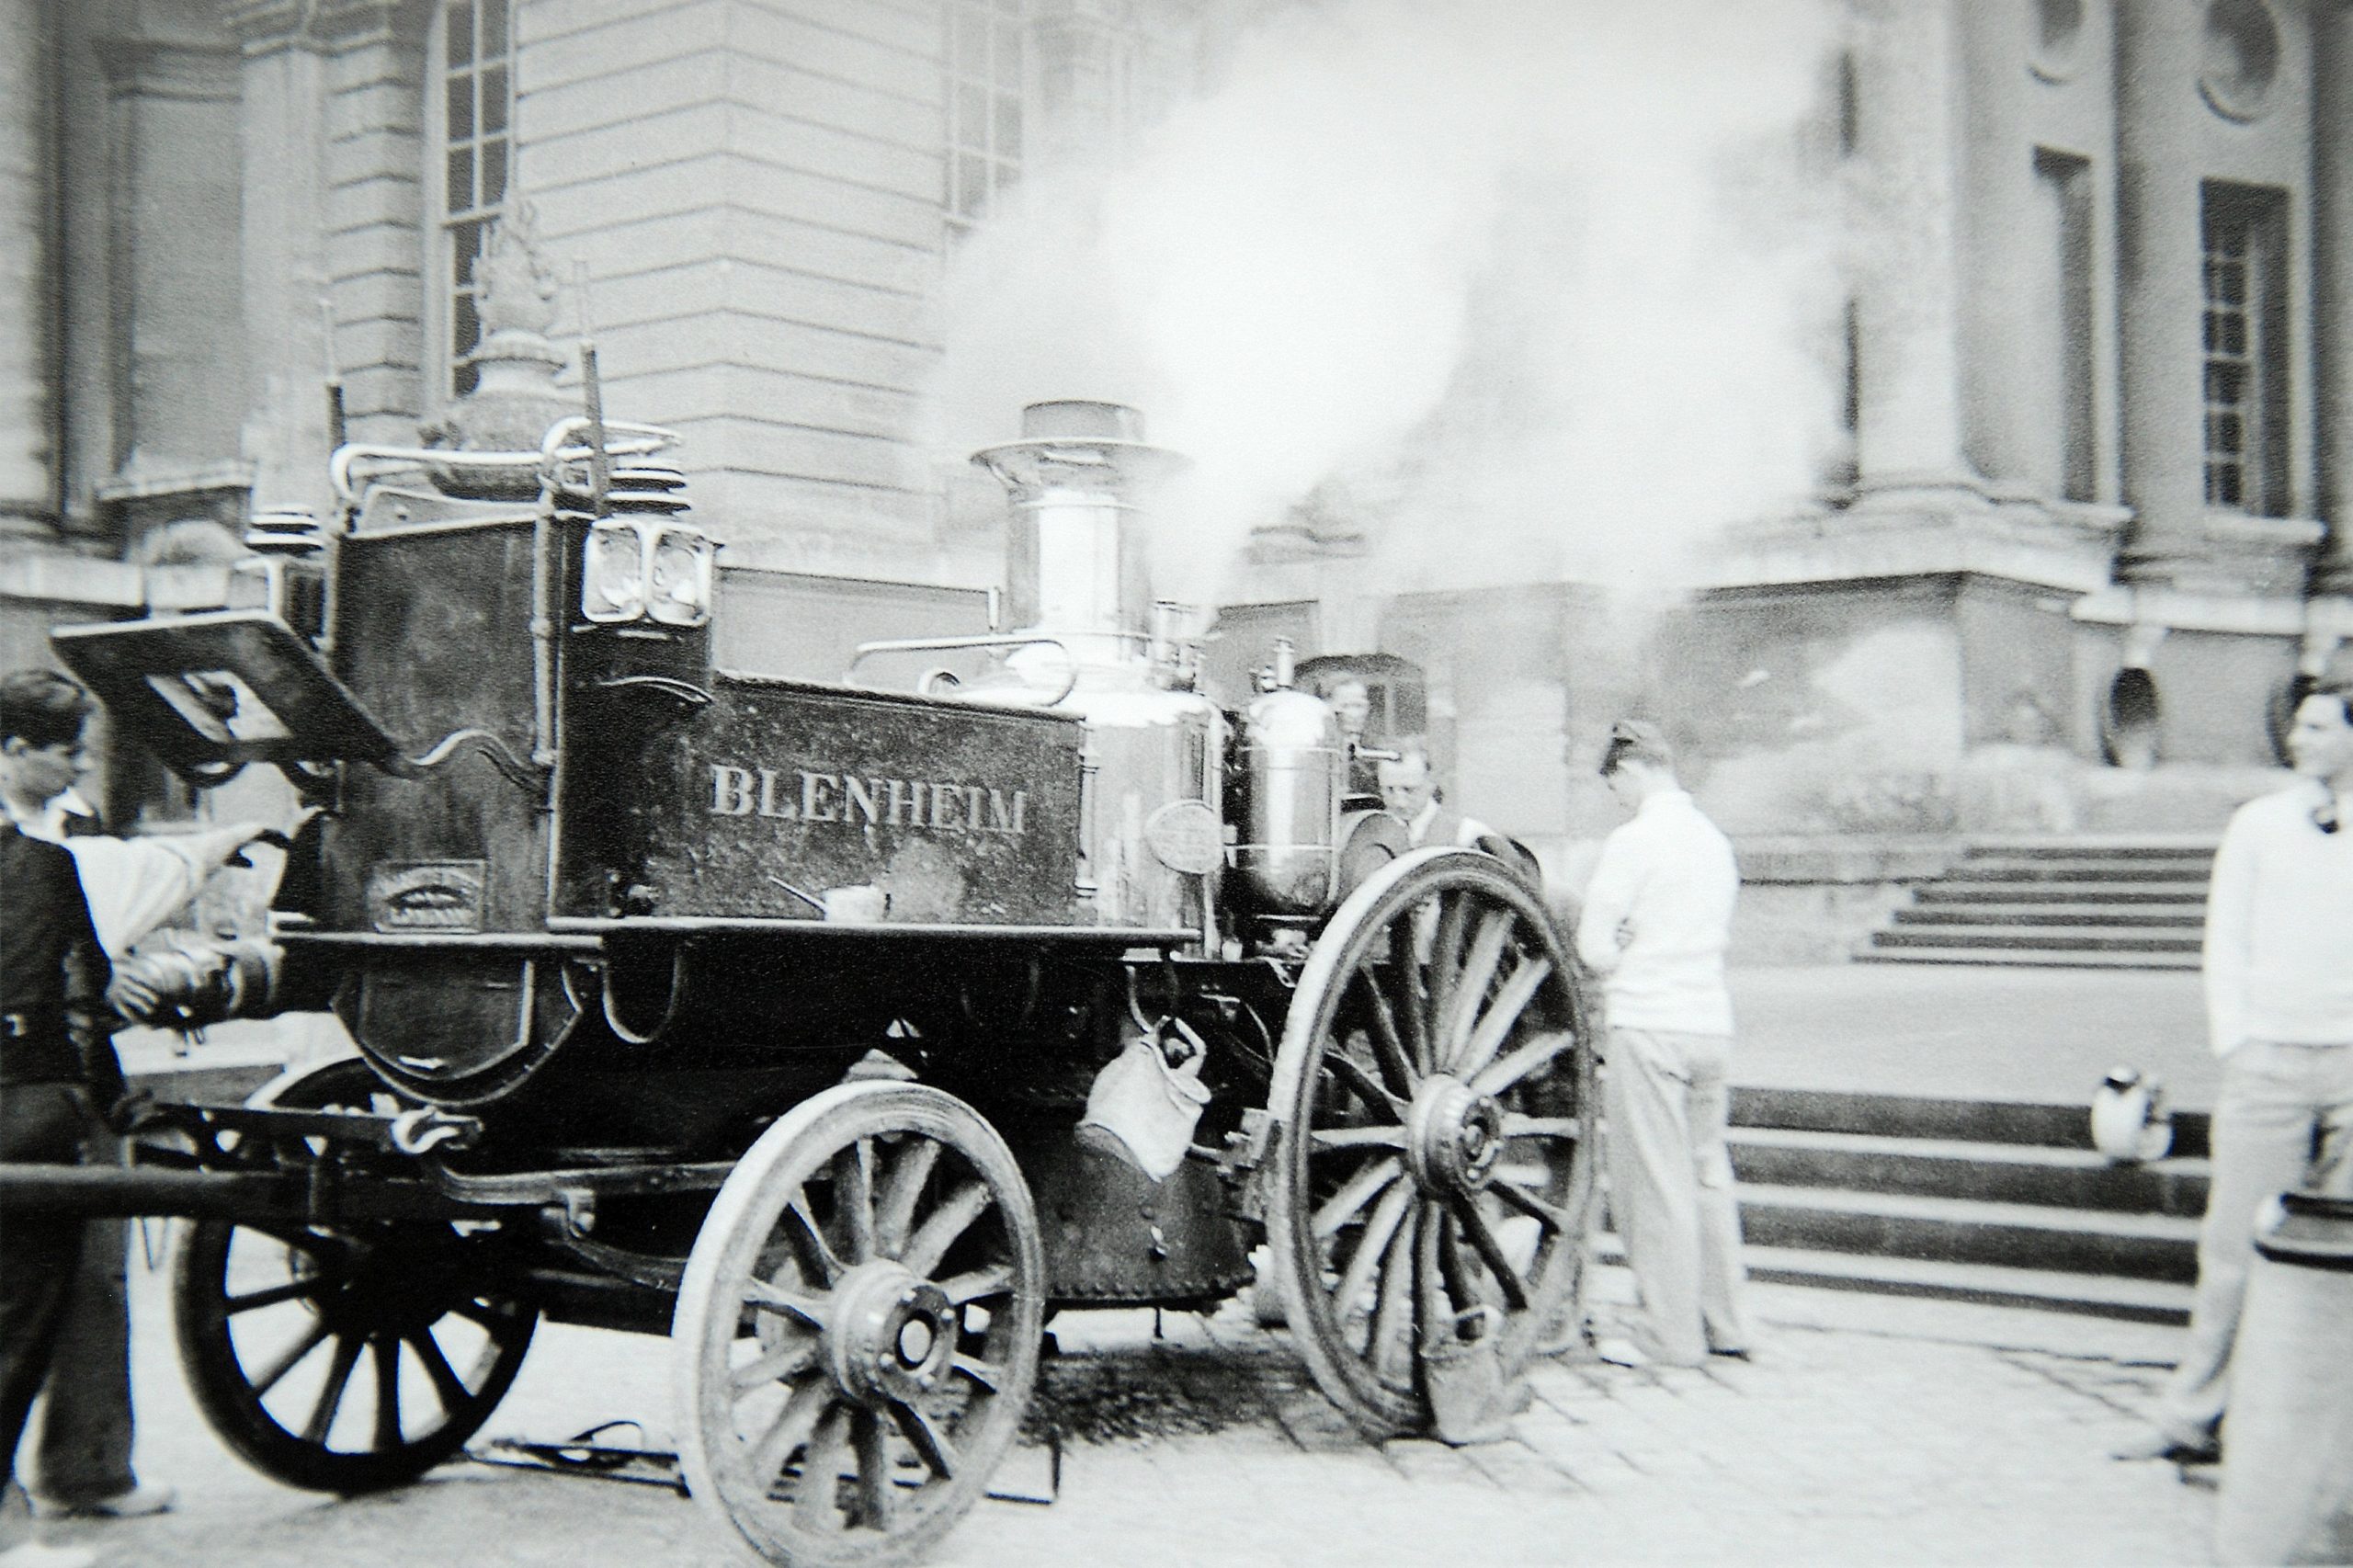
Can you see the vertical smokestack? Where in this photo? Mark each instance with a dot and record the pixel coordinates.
(1076, 547)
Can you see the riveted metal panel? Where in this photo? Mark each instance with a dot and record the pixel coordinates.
(780, 793)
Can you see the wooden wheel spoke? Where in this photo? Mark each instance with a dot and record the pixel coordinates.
(975, 1284)
(1378, 1231)
(872, 1439)
(816, 1254)
(1451, 926)
(387, 1351)
(1411, 1006)
(932, 1445)
(1323, 1139)
(292, 1291)
(792, 1428)
(1519, 1126)
(1358, 1190)
(1389, 1044)
(1552, 1216)
(854, 1197)
(447, 1385)
(271, 1375)
(1540, 1049)
(1468, 988)
(788, 1358)
(810, 1310)
(943, 1225)
(330, 1400)
(902, 1189)
(1393, 1313)
(1347, 1070)
(1496, 1024)
(821, 1472)
(988, 1374)
(1482, 1240)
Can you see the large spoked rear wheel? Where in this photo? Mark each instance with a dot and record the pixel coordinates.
(857, 1330)
(1436, 1090)
(346, 1357)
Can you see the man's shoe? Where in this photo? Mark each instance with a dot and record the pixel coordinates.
(2157, 1443)
(138, 1503)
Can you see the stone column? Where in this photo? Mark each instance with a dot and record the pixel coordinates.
(179, 356)
(373, 208)
(27, 299)
(283, 131)
(2000, 332)
(2160, 295)
(1903, 190)
(2333, 291)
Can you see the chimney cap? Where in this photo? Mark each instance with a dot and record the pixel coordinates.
(1076, 419)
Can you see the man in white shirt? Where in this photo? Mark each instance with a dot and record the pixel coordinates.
(1656, 920)
(2280, 1003)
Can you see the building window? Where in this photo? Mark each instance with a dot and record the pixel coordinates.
(987, 80)
(2247, 348)
(472, 153)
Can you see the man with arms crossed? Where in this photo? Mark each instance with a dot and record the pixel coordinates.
(1656, 920)
(2280, 1001)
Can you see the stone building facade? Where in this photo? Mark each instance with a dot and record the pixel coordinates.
(2099, 384)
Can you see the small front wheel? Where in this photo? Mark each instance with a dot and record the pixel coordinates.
(857, 1330)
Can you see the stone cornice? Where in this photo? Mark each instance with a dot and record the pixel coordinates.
(168, 68)
(269, 26)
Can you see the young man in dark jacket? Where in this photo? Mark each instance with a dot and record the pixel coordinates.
(59, 1077)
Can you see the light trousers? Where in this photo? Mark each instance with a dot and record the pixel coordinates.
(1669, 1099)
(2283, 1121)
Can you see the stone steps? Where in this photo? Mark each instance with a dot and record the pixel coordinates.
(1978, 1200)
(2102, 903)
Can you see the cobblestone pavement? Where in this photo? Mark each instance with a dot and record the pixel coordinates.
(1867, 1430)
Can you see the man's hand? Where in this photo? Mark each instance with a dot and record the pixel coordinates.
(130, 996)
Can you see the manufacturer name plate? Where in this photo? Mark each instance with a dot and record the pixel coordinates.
(428, 895)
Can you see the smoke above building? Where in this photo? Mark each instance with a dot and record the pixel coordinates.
(1515, 289)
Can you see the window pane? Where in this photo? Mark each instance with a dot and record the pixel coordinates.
(2233, 334)
(494, 100)
(494, 173)
(2230, 435)
(972, 45)
(462, 32)
(465, 244)
(461, 179)
(493, 27)
(1008, 129)
(465, 326)
(461, 108)
(972, 123)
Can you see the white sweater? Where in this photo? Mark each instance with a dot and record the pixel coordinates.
(2280, 926)
(1657, 918)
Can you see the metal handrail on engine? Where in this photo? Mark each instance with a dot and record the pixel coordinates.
(558, 446)
(955, 644)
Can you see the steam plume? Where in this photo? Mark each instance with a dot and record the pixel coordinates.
(1520, 287)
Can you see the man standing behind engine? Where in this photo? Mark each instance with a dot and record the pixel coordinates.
(2279, 1003)
(1656, 920)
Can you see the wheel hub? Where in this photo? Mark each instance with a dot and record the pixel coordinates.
(1453, 1136)
(893, 1334)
